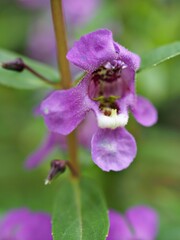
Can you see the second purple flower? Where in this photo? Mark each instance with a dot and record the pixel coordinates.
(108, 89)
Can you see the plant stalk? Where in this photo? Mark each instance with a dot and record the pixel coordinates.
(64, 70)
(40, 76)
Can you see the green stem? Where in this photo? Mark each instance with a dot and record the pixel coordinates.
(63, 64)
(61, 42)
(19, 65)
(40, 76)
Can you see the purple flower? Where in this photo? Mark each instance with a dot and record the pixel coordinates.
(21, 224)
(138, 223)
(77, 12)
(41, 43)
(54, 140)
(109, 90)
(51, 141)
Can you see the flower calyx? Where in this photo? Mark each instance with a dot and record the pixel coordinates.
(57, 168)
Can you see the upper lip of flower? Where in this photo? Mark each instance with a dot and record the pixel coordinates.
(111, 70)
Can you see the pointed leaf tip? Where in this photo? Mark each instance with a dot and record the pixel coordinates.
(159, 55)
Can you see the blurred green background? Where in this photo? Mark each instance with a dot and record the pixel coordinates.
(153, 178)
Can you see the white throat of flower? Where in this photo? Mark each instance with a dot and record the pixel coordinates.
(113, 121)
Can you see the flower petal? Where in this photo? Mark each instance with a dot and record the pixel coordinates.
(119, 229)
(144, 221)
(12, 220)
(93, 50)
(128, 82)
(87, 129)
(113, 149)
(24, 225)
(63, 110)
(50, 142)
(131, 59)
(37, 227)
(144, 112)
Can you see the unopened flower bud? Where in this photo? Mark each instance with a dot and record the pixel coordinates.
(57, 167)
(16, 65)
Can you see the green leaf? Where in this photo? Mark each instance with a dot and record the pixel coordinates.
(80, 212)
(160, 55)
(25, 79)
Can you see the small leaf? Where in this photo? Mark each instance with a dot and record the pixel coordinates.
(160, 55)
(25, 79)
(80, 212)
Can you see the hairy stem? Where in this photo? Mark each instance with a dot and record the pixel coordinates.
(63, 64)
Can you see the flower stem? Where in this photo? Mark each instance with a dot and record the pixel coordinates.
(61, 42)
(40, 76)
(63, 64)
(19, 65)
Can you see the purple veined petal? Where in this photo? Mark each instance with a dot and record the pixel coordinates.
(21, 224)
(93, 50)
(63, 110)
(131, 59)
(144, 112)
(87, 129)
(119, 229)
(113, 149)
(51, 141)
(144, 221)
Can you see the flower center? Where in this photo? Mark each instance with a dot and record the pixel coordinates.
(106, 81)
(107, 85)
(107, 105)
